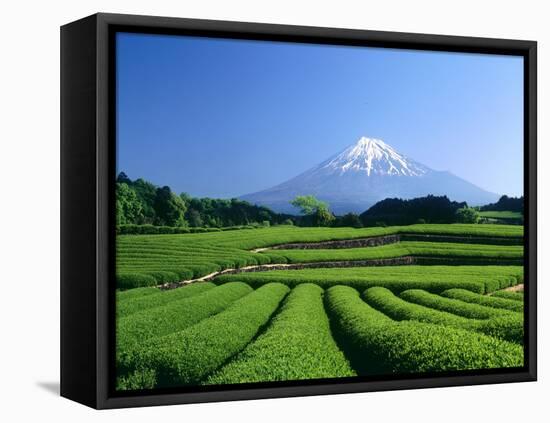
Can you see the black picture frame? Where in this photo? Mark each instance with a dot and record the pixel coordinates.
(88, 153)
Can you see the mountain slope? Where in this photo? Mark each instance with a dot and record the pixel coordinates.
(365, 173)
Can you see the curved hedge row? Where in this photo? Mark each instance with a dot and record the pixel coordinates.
(188, 356)
(509, 295)
(130, 280)
(384, 300)
(435, 279)
(457, 307)
(131, 229)
(154, 260)
(130, 294)
(174, 316)
(490, 301)
(297, 345)
(289, 234)
(405, 248)
(379, 345)
(160, 298)
(508, 326)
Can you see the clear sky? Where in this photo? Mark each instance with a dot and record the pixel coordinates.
(223, 118)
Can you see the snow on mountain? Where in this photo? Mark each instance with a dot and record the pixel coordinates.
(364, 173)
(374, 156)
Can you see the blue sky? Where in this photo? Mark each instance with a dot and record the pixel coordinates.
(222, 118)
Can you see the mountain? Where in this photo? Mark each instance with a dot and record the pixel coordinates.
(364, 173)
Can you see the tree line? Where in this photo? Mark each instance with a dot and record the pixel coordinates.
(505, 203)
(429, 209)
(140, 202)
(397, 211)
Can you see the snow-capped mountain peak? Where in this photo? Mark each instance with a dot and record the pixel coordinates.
(374, 156)
(364, 173)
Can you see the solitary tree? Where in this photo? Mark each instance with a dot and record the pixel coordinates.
(323, 217)
(308, 204)
(467, 215)
(316, 210)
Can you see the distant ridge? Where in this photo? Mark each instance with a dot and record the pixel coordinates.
(366, 172)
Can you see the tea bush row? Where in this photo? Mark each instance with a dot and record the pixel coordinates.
(247, 240)
(490, 301)
(161, 298)
(188, 356)
(508, 327)
(406, 248)
(131, 280)
(509, 295)
(297, 344)
(176, 315)
(131, 229)
(378, 345)
(460, 308)
(130, 294)
(435, 279)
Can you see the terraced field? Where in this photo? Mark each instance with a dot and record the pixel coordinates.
(149, 260)
(288, 303)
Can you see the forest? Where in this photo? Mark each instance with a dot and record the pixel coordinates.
(139, 202)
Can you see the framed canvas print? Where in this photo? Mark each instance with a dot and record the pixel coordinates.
(254, 211)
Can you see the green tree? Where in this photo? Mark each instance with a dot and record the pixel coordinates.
(185, 197)
(316, 211)
(146, 193)
(308, 204)
(128, 206)
(467, 215)
(160, 208)
(194, 218)
(323, 217)
(169, 208)
(123, 178)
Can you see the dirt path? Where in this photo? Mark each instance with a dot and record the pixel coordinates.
(515, 288)
(372, 241)
(395, 261)
(398, 261)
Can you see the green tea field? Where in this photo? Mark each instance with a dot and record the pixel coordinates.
(294, 303)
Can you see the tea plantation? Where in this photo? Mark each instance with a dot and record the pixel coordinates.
(288, 303)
